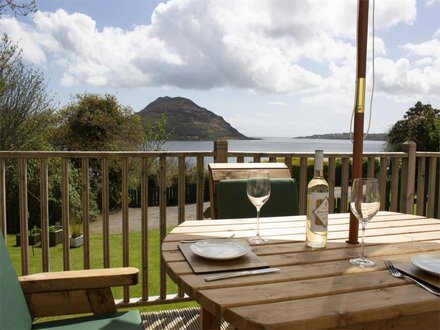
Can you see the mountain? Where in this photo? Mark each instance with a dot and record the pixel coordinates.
(345, 136)
(188, 121)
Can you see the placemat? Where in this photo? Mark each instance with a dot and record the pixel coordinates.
(412, 270)
(203, 265)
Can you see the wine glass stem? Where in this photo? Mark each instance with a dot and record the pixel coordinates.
(258, 222)
(363, 236)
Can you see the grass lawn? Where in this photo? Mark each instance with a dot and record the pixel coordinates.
(96, 261)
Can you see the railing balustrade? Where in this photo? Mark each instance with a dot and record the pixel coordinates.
(409, 183)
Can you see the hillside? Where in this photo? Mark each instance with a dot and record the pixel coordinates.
(188, 121)
(345, 136)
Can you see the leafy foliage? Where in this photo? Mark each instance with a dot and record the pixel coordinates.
(155, 134)
(54, 193)
(21, 8)
(25, 106)
(97, 122)
(420, 124)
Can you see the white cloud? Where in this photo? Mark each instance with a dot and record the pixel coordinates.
(391, 13)
(278, 103)
(204, 44)
(429, 3)
(27, 37)
(427, 48)
(340, 103)
(403, 81)
(424, 61)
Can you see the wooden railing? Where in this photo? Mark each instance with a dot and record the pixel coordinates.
(409, 183)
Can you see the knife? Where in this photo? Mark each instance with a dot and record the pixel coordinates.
(242, 273)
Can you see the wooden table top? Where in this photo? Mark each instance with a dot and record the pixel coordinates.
(314, 288)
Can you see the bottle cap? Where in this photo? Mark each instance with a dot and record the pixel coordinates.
(319, 155)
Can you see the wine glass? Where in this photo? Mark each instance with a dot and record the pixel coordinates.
(364, 204)
(258, 191)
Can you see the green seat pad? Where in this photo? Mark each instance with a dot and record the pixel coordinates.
(233, 202)
(14, 313)
(117, 321)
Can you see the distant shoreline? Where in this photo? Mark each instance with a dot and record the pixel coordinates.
(344, 136)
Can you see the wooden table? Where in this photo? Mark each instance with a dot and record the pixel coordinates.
(314, 288)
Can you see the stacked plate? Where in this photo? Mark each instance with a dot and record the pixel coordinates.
(428, 262)
(220, 249)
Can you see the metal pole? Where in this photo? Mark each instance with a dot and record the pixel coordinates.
(362, 35)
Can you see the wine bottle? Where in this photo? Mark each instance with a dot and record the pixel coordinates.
(317, 206)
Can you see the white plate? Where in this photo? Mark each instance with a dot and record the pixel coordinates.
(428, 262)
(220, 249)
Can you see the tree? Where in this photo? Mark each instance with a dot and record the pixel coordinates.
(25, 106)
(155, 134)
(97, 122)
(17, 7)
(420, 124)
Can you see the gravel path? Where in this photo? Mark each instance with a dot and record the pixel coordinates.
(134, 217)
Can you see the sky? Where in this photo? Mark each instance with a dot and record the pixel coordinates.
(275, 68)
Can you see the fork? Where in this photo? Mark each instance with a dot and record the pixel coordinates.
(396, 273)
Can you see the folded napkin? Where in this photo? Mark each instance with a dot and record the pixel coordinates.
(411, 270)
(203, 265)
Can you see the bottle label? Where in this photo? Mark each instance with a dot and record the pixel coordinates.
(319, 216)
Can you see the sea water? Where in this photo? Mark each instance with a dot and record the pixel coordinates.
(276, 144)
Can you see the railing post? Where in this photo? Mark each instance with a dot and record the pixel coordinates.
(431, 189)
(3, 198)
(408, 178)
(181, 189)
(162, 221)
(65, 211)
(438, 189)
(220, 151)
(23, 212)
(44, 213)
(200, 188)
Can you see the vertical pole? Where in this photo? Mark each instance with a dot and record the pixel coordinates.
(181, 189)
(65, 211)
(362, 35)
(44, 213)
(162, 223)
(421, 176)
(3, 198)
(125, 224)
(85, 197)
(200, 188)
(23, 212)
(410, 148)
(105, 213)
(438, 188)
(144, 227)
(220, 151)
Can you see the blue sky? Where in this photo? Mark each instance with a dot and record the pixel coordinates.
(269, 67)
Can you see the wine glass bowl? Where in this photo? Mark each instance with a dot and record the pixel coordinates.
(364, 203)
(258, 192)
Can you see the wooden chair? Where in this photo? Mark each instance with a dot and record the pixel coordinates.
(228, 182)
(72, 292)
(61, 293)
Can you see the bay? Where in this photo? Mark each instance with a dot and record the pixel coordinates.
(276, 144)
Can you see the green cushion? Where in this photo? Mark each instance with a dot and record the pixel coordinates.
(232, 200)
(14, 313)
(118, 321)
